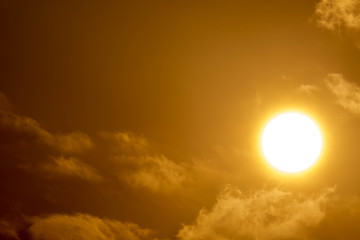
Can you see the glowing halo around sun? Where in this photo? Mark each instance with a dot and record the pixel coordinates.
(291, 142)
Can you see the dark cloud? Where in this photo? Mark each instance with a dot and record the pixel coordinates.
(8, 231)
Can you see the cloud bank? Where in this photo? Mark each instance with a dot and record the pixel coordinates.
(128, 156)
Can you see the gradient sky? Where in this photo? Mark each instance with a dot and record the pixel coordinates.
(141, 120)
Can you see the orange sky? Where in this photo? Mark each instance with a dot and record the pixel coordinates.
(141, 119)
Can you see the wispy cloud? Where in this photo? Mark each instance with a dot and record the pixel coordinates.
(130, 157)
(67, 143)
(263, 214)
(156, 173)
(31, 144)
(77, 226)
(308, 88)
(347, 93)
(126, 142)
(84, 227)
(4, 102)
(139, 164)
(71, 167)
(8, 230)
(335, 15)
(341, 17)
(73, 142)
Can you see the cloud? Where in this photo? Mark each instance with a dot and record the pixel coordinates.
(8, 230)
(261, 215)
(155, 173)
(337, 14)
(4, 102)
(83, 227)
(71, 167)
(307, 88)
(73, 142)
(127, 142)
(25, 125)
(342, 219)
(86, 227)
(258, 99)
(347, 93)
(139, 164)
(73, 226)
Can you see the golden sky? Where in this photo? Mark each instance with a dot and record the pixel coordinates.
(140, 120)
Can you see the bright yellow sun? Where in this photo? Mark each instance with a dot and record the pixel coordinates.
(291, 142)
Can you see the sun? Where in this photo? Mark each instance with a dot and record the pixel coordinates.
(291, 142)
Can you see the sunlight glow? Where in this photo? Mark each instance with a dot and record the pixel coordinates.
(291, 142)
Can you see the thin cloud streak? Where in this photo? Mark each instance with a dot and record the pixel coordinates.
(73, 167)
(307, 88)
(126, 142)
(73, 142)
(156, 173)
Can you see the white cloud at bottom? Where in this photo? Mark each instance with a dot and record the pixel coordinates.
(260, 215)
